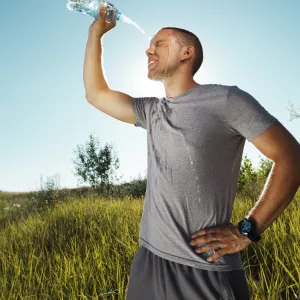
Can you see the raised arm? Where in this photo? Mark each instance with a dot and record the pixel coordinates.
(113, 103)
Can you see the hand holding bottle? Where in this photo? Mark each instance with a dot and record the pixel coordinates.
(99, 27)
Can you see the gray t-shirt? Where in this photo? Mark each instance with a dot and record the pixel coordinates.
(195, 144)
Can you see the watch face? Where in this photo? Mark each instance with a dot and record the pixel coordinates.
(246, 226)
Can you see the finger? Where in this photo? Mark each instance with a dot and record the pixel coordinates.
(210, 246)
(207, 231)
(102, 9)
(217, 255)
(205, 239)
(200, 233)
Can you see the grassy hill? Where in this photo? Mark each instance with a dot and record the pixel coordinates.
(83, 247)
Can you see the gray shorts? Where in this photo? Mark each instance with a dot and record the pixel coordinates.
(155, 278)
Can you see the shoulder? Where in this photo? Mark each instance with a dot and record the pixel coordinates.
(145, 101)
(232, 91)
(222, 90)
(227, 88)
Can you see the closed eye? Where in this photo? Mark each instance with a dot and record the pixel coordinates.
(161, 42)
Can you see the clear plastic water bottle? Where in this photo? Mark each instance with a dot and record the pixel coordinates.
(91, 7)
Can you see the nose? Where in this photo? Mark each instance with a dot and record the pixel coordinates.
(149, 50)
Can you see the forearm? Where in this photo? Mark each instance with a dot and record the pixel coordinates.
(279, 190)
(92, 72)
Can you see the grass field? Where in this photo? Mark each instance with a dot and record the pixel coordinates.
(83, 248)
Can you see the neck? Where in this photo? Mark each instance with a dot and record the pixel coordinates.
(175, 87)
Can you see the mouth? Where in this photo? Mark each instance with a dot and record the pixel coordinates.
(151, 64)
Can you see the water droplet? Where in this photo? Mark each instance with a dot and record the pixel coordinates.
(127, 20)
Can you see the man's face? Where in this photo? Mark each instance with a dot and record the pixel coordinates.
(164, 51)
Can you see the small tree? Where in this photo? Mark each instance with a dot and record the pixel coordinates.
(293, 113)
(247, 176)
(95, 166)
(265, 168)
(109, 163)
(47, 195)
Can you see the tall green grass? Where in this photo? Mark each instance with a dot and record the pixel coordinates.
(83, 248)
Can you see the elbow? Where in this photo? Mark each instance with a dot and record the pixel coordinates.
(91, 95)
(94, 95)
(88, 97)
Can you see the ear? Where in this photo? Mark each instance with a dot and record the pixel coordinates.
(187, 52)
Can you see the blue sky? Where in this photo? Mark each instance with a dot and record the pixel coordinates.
(44, 113)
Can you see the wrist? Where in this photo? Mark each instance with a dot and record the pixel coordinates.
(247, 227)
(95, 35)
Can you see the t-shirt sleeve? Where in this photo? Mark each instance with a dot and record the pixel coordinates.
(245, 115)
(141, 109)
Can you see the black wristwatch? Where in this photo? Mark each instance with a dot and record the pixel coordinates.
(247, 227)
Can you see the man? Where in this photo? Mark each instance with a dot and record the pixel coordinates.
(196, 136)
